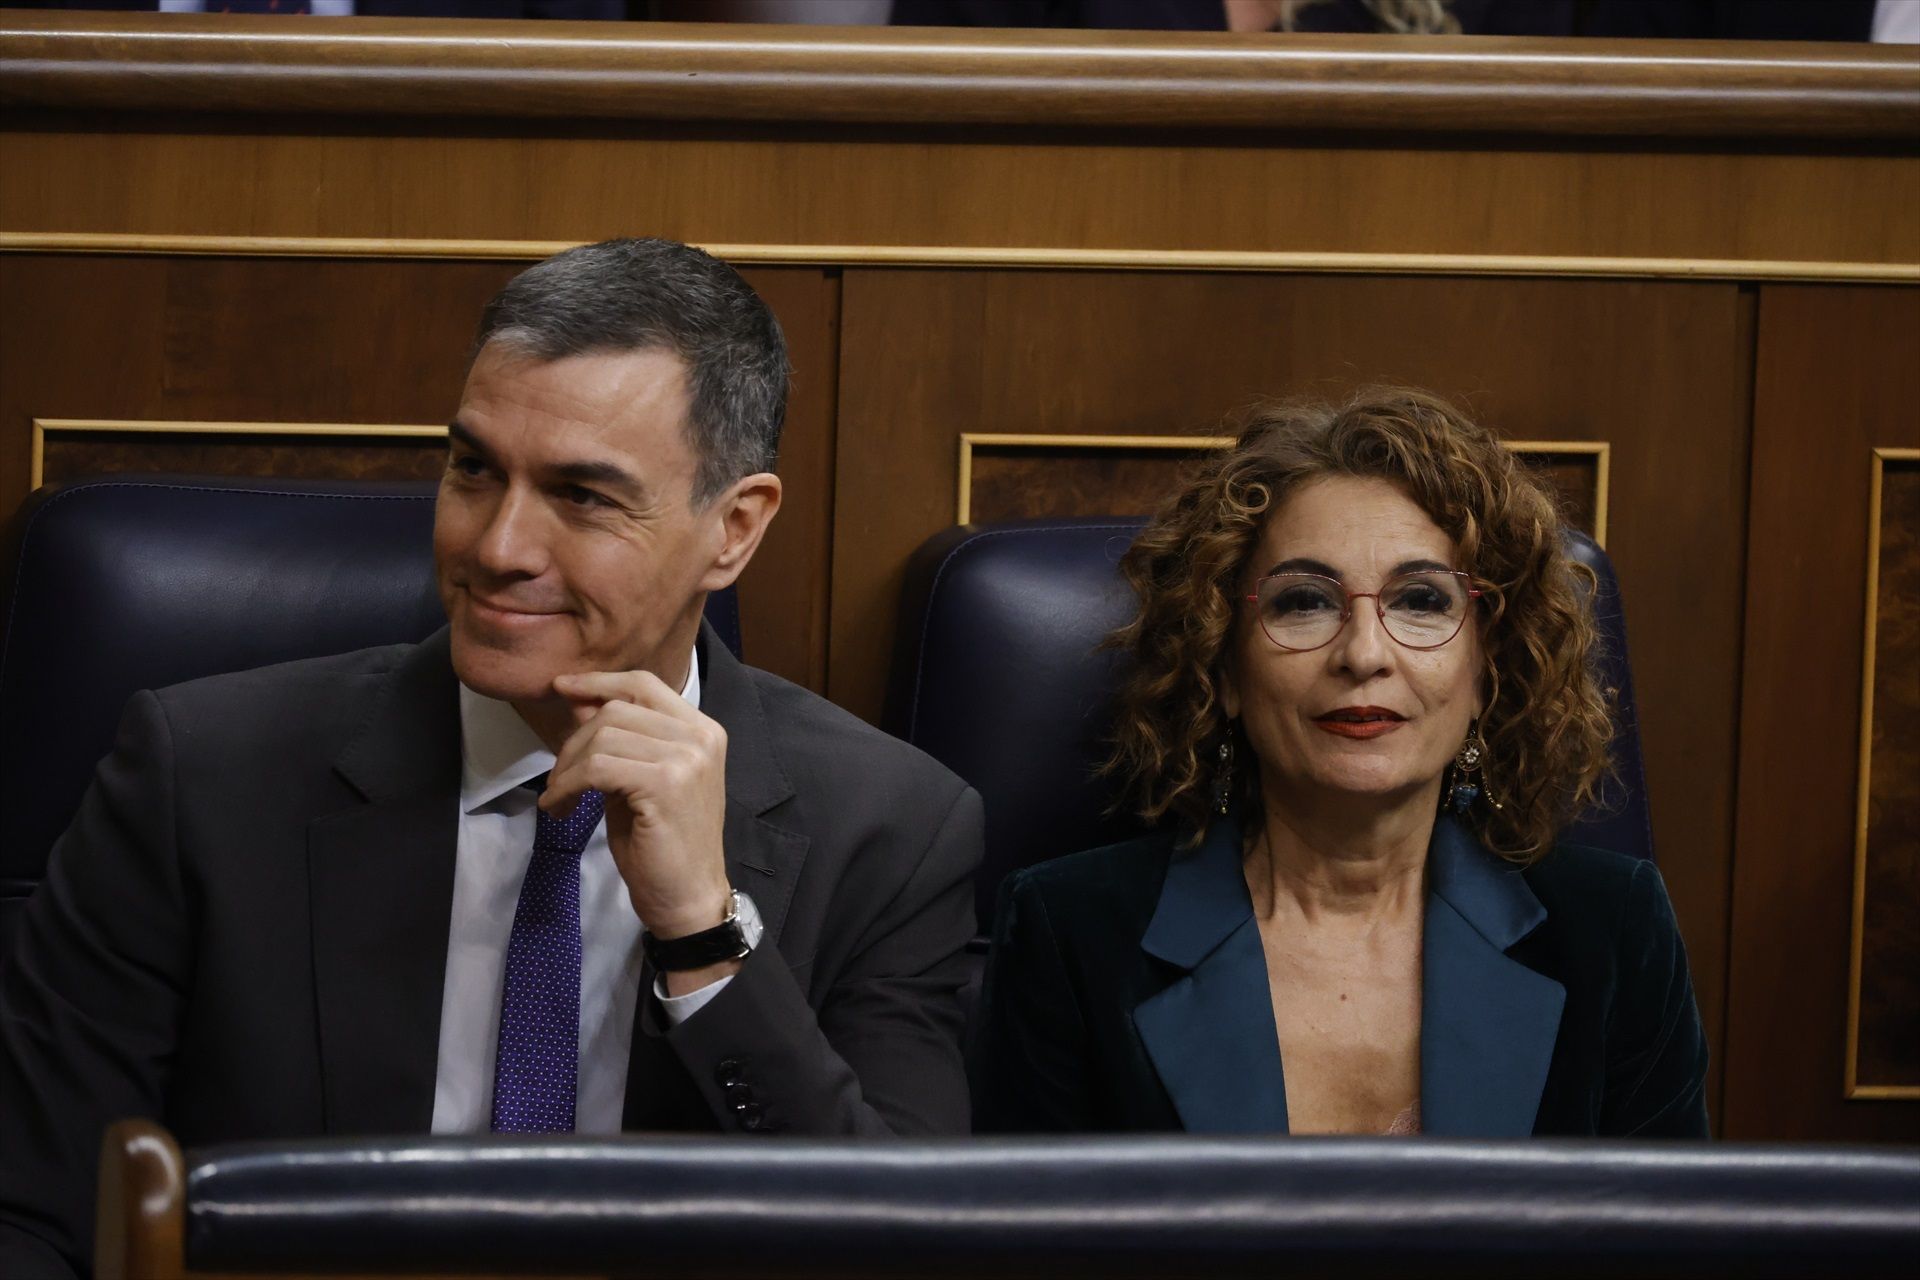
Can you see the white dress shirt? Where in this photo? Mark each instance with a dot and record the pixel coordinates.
(1896, 22)
(497, 813)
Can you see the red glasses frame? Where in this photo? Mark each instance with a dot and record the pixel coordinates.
(1346, 609)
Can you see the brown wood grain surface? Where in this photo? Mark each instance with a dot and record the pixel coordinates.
(1658, 370)
(1212, 81)
(784, 591)
(141, 1217)
(317, 340)
(782, 186)
(71, 456)
(1024, 482)
(1889, 1023)
(1836, 377)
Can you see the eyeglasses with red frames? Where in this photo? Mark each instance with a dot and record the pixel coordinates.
(1301, 612)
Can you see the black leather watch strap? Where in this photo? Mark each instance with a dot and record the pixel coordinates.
(727, 940)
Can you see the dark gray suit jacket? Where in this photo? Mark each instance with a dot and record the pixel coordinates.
(244, 932)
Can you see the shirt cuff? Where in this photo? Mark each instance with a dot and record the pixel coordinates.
(680, 1008)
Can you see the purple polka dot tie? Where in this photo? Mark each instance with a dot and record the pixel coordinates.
(538, 1061)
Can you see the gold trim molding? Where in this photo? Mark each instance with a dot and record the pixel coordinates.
(1600, 451)
(44, 427)
(1854, 1089)
(858, 255)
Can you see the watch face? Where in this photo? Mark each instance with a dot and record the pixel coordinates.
(746, 914)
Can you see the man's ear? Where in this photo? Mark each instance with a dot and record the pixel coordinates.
(740, 518)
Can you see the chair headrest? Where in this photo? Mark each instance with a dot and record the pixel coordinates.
(999, 676)
(1622, 820)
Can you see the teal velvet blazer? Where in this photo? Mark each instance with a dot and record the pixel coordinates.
(1127, 991)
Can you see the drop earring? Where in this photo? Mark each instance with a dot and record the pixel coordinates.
(1464, 785)
(1223, 777)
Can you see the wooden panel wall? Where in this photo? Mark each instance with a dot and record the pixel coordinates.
(1202, 192)
(210, 339)
(1836, 378)
(1047, 476)
(1883, 1021)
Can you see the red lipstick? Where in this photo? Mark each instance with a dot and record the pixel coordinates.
(1359, 722)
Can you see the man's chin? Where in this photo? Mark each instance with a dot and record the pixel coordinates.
(503, 673)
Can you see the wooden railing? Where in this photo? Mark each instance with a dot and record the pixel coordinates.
(832, 75)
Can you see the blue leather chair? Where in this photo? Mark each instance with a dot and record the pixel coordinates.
(998, 675)
(136, 582)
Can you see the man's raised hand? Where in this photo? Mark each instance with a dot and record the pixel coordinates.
(662, 767)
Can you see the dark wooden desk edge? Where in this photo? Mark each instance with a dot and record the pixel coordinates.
(919, 76)
(141, 1216)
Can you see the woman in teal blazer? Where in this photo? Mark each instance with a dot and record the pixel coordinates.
(1359, 705)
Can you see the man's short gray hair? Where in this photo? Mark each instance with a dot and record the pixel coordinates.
(635, 295)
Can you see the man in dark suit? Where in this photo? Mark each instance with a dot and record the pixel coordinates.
(375, 894)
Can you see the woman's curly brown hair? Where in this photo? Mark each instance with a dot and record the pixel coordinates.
(1547, 722)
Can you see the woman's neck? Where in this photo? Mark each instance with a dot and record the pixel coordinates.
(1344, 859)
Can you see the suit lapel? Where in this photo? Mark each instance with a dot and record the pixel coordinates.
(763, 860)
(1488, 1023)
(380, 878)
(1211, 1034)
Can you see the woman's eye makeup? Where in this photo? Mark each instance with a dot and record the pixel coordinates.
(1418, 599)
(1302, 599)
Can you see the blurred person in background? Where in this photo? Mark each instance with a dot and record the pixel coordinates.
(1405, 17)
(566, 10)
(1896, 21)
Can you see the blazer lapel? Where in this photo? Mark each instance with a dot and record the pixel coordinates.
(763, 860)
(380, 876)
(1488, 1023)
(1211, 1034)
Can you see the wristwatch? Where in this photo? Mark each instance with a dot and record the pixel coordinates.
(732, 939)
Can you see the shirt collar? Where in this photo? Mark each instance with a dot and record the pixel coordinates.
(499, 751)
